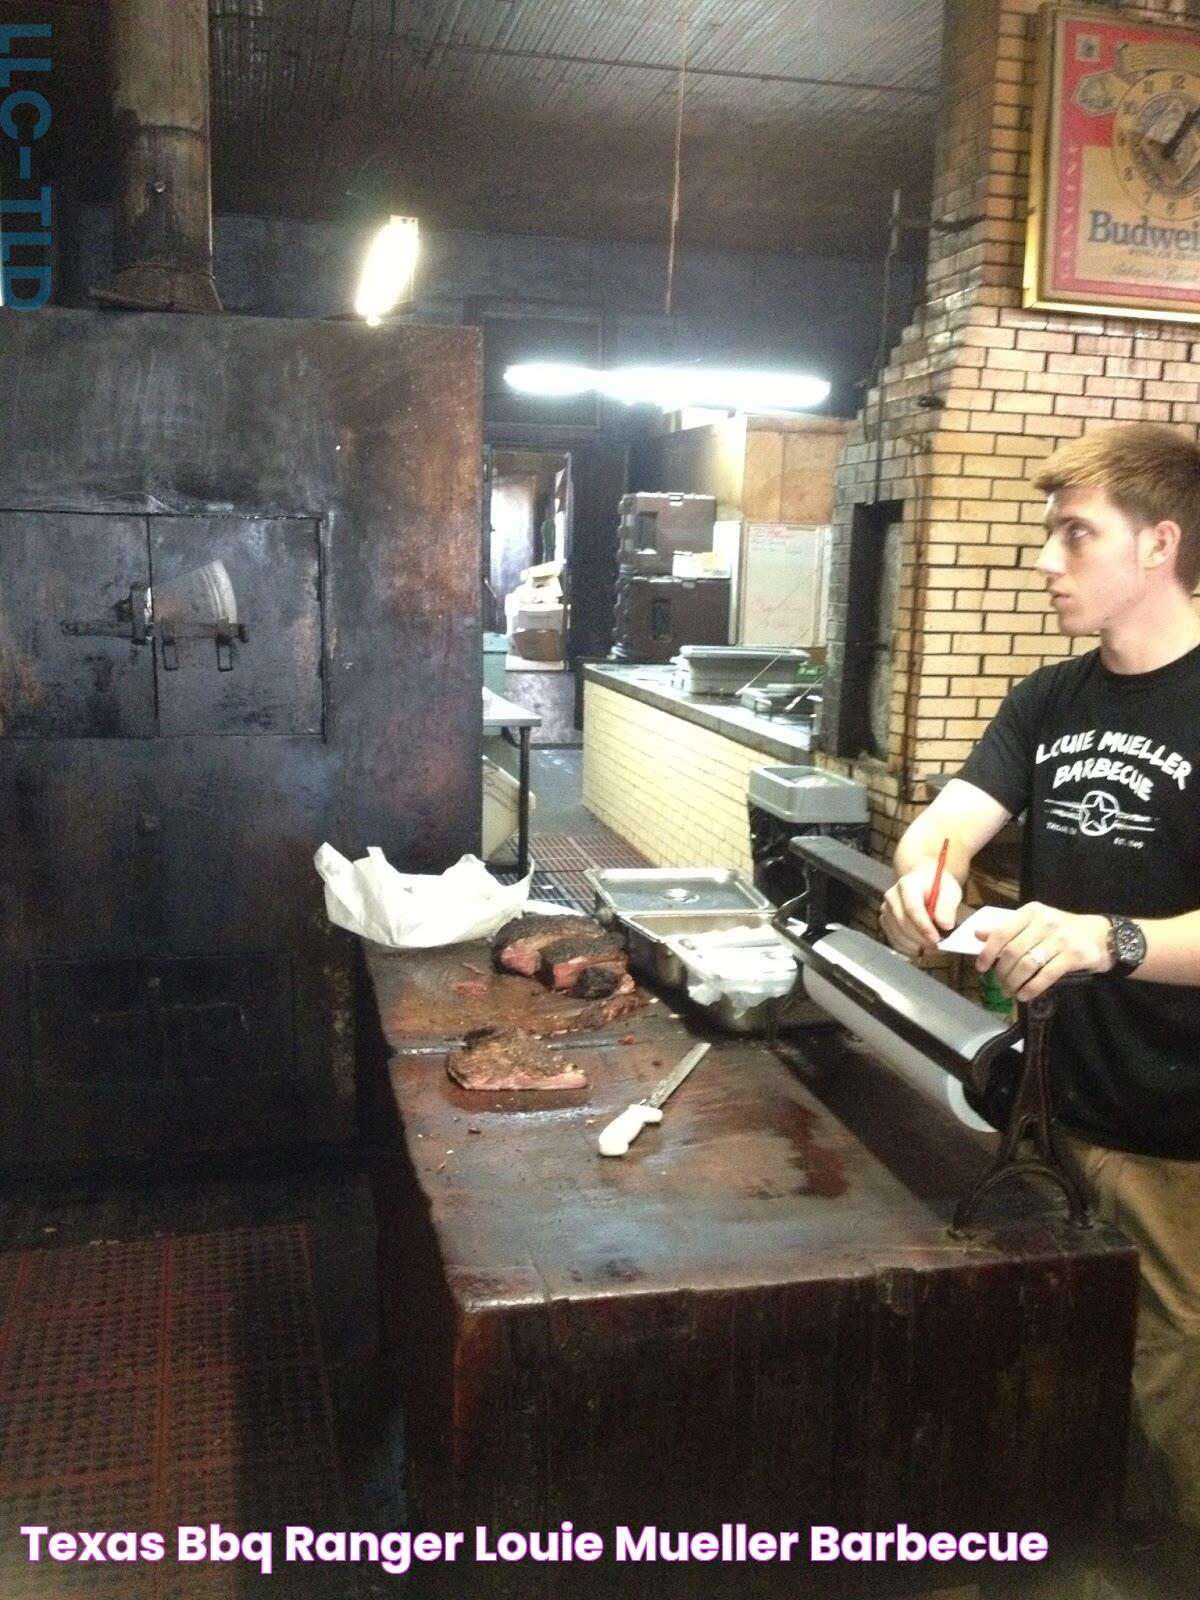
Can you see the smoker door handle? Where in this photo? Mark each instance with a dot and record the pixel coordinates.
(129, 619)
(169, 647)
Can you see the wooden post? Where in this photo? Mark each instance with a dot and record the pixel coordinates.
(162, 203)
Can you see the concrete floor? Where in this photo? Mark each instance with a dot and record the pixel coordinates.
(556, 780)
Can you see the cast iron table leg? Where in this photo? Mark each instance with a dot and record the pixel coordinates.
(1030, 1125)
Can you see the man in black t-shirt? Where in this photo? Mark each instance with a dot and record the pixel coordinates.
(1102, 754)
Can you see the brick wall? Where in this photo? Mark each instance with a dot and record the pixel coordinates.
(676, 791)
(976, 394)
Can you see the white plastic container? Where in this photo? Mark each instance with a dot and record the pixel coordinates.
(808, 795)
(712, 669)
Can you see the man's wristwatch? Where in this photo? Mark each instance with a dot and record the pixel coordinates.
(1126, 946)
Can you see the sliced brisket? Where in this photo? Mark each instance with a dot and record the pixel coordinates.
(589, 980)
(506, 1058)
(623, 1002)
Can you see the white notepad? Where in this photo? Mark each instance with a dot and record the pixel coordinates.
(962, 942)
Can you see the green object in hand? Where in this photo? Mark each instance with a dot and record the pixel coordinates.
(994, 997)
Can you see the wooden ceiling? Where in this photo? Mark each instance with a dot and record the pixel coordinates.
(555, 116)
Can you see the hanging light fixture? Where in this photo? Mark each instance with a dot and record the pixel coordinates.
(388, 270)
(673, 388)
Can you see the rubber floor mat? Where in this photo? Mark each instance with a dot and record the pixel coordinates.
(565, 852)
(161, 1382)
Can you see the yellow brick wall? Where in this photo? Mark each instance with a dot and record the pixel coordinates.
(675, 791)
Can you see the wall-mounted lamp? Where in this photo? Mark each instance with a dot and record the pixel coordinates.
(388, 270)
(673, 388)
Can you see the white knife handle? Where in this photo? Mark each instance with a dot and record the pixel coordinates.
(624, 1129)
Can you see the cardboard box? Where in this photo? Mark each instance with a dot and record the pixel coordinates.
(545, 580)
(539, 618)
(538, 644)
(524, 600)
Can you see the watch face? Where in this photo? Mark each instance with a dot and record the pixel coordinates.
(1129, 944)
(1156, 144)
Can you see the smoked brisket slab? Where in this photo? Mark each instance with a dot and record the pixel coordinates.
(506, 1058)
(571, 954)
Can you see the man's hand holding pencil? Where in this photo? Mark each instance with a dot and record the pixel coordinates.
(922, 906)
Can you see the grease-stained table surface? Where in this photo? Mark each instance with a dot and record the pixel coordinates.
(757, 1314)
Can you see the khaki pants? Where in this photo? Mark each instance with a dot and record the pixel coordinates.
(1156, 1204)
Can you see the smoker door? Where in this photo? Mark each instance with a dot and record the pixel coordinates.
(267, 571)
(137, 1058)
(70, 665)
(167, 985)
(246, 774)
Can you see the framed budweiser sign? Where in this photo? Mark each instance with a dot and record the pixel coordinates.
(1114, 214)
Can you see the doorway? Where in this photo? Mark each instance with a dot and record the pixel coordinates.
(546, 502)
(527, 524)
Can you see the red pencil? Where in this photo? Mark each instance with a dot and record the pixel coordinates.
(937, 879)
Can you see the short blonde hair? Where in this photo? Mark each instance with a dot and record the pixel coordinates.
(1150, 473)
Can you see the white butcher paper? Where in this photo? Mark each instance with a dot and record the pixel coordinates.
(962, 942)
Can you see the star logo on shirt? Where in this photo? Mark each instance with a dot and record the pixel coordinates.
(1098, 814)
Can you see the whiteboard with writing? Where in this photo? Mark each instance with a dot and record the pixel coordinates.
(782, 584)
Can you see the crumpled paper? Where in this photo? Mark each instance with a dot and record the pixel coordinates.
(744, 966)
(412, 910)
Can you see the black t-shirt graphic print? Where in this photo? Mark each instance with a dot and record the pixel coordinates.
(1107, 768)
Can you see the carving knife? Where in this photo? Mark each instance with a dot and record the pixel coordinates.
(620, 1133)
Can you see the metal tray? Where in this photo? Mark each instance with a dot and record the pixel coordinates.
(722, 670)
(653, 958)
(742, 653)
(633, 891)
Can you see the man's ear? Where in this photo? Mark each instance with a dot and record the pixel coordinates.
(1165, 539)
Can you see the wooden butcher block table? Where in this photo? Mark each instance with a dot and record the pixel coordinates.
(755, 1316)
